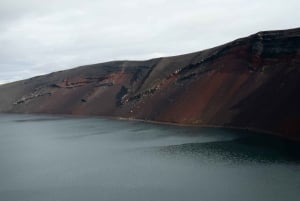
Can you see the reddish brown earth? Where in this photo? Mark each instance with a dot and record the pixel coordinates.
(252, 83)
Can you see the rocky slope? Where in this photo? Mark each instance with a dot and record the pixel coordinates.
(252, 82)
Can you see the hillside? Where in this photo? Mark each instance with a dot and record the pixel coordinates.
(252, 82)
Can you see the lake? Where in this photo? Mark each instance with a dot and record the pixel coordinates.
(60, 158)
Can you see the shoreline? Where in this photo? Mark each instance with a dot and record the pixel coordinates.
(245, 129)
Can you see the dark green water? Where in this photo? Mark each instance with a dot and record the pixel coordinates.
(53, 158)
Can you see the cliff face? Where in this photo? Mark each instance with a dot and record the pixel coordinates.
(253, 82)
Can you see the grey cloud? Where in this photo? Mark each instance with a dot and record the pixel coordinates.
(41, 37)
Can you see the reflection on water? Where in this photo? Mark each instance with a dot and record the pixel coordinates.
(61, 158)
(245, 150)
(37, 119)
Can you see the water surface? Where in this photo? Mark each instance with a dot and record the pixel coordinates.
(55, 158)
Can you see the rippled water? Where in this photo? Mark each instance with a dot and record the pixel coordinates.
(55, 158)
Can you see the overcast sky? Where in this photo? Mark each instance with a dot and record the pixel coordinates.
(38, 37)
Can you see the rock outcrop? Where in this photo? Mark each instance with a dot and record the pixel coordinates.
(252, 83)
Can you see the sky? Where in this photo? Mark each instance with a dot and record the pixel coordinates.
(39, 37)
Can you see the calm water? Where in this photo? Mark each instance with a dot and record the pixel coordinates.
(53, 158)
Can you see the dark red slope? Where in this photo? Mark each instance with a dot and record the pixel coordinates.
(252, 82)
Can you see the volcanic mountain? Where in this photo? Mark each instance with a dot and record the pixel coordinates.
(251, 83)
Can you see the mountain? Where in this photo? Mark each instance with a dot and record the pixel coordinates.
(251, 83)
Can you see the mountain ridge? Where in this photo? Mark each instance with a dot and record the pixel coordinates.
(250, 83)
